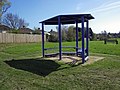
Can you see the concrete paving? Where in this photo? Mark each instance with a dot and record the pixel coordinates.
(76, 60)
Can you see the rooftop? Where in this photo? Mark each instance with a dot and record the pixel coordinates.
(67, 19)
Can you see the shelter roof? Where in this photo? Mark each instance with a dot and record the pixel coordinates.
(67, 19)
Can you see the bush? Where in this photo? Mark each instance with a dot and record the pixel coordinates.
(53, 38)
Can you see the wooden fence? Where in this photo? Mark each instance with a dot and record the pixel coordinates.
(19, 38)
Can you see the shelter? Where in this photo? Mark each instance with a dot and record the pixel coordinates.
(70, 19)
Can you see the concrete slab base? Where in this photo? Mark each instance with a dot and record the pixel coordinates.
(76, 60)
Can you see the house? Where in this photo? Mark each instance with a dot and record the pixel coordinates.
(4, 29)
(25, 31)
(38, 31)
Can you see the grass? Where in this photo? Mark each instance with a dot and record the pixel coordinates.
(22, 69)
(110, 48)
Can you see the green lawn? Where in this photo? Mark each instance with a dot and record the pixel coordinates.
(22, 69)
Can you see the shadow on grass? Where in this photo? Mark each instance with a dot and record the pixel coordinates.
(37, 66)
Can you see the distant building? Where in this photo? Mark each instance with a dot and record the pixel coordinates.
(4, 29)
(25, 31)
(38, 31)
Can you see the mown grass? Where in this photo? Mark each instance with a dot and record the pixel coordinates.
(35, 48)
(100, 47)
(22, 69)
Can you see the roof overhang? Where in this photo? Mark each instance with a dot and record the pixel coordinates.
(67, 19)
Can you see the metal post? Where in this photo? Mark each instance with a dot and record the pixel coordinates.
(87, 37)
(83, 56)
(76, 37)
(60, 38)
(43, 39)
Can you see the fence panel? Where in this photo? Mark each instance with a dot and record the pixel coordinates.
(19, 38)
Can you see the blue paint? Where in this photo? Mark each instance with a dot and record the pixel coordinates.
(76, 37)
(87, 37)
(60, 38)
(83, 56)
(43, 39)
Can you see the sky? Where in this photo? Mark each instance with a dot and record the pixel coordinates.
(106, 12)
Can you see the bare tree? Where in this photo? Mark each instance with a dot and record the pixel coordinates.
(14, 21)
(4, 5)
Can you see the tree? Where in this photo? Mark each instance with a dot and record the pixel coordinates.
(14, 21)
(4, 5)
(91, 34)
(53, 37)
(71, 34)
(64, 30)
(119, 34)
(37, 30)
(79, 36)
(103, 35)
(64, 33)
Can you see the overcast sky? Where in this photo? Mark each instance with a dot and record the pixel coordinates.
(106, 12)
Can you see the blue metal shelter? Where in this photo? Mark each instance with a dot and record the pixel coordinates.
(70, 19)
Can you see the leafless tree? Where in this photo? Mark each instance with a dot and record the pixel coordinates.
(4, 5)
(14, 21)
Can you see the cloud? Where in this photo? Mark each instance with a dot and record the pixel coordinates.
(107, 17)
(105, 7)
